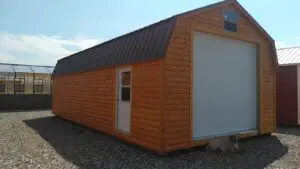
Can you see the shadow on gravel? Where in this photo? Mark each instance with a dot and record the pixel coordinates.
(289, 130)
(87, 148)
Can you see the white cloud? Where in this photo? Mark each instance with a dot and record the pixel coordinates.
(84, 42)
(40, 49)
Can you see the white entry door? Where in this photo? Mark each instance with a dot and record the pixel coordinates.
(224, 86)
(123, 99)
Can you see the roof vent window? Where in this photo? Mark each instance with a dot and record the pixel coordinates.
(230, 20)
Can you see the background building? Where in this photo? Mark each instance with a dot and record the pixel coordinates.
(288, 86)
(25, 86)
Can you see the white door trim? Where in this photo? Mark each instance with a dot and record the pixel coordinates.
(123, 108)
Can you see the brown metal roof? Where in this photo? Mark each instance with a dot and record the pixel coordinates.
(148, 43)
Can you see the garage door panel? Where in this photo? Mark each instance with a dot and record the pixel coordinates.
(224, 86)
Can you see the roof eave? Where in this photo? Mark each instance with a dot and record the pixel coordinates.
(253, 20)
(272, 41)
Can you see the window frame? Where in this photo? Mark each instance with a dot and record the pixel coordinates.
(230, 21)
(40, 86)
(19, 79)
(122, 86)
(2, 78)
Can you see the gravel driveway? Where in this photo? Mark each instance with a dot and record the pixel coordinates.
(35, 139)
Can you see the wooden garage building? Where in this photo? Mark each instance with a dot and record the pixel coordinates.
(174, 84)
(288, 86)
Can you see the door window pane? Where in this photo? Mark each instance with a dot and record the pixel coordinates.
(125, 93)
(125, 78)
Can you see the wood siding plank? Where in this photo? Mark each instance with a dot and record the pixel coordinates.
(89, 99)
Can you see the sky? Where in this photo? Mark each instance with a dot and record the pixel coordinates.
(40, 32)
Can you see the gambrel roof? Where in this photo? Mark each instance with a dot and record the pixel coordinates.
(146, 44)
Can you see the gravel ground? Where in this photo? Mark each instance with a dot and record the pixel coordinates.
(35, 139)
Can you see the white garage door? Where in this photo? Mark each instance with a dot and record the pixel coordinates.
(224, 86)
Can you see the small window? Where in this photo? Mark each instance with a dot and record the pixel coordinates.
(2, 84)
(38, 85)
(230, 20)
(19, 84)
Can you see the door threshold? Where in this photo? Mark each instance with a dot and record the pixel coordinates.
(123, 132)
